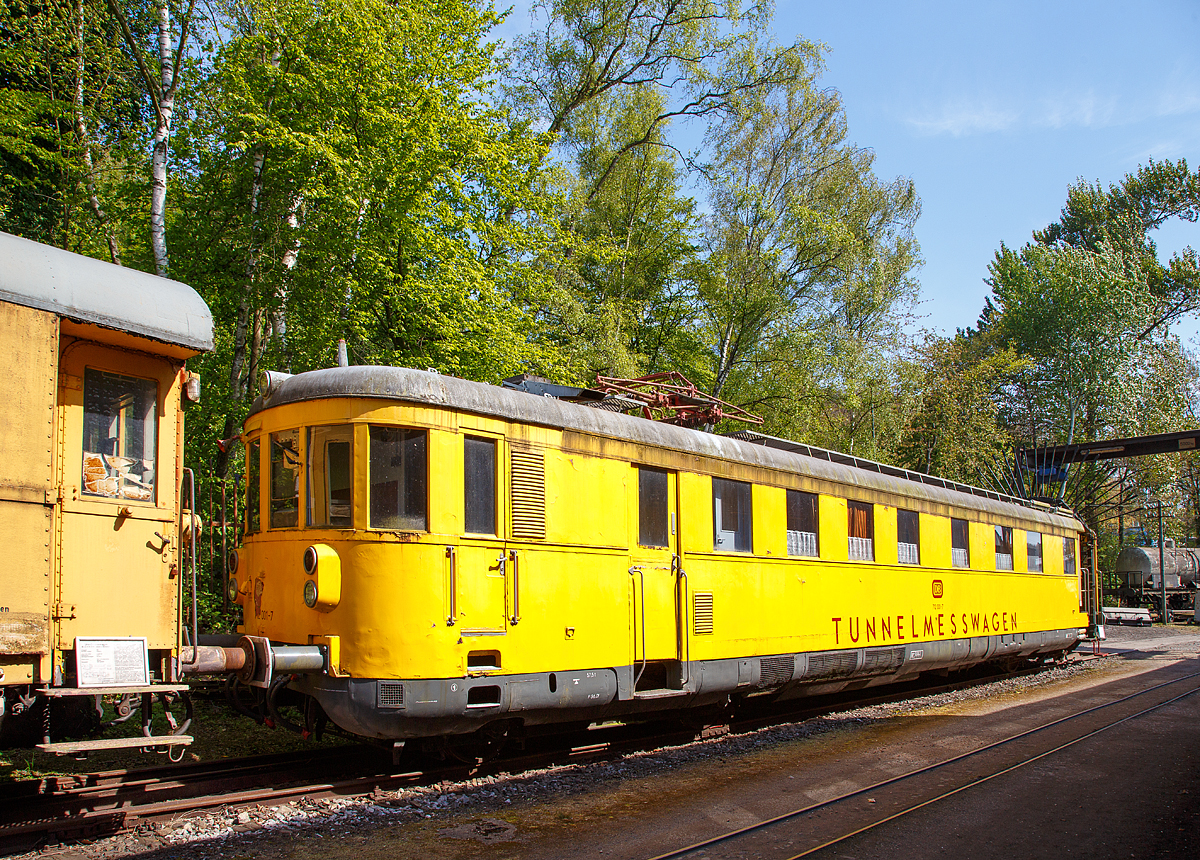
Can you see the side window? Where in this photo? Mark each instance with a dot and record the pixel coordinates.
(330, 455)
(285, 479)
(731, 515)
(120, 425)
(802, 528)
(960, 543)
(862, 530)
(253, 498)
(1004, 548)
(399, 472)
(908, 537)
(1033, 540)
(1069, 569)
(652, 508)
(479, 486)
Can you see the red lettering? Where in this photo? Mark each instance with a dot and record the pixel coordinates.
(975, 622)
(1004, 620)
(836, 622)
(941, 631)
(1012, 619)
(995, 619)
(928, 625)
(985, 627)
(885, 628)
(964, 622)
(953, 626)
(854, 629)
(900, 627)
(870, 629)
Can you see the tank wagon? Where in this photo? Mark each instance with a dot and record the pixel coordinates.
(426, 556)
(1139, 580)
(92, 387)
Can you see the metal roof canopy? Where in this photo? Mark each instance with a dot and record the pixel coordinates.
(94, 291)
(1110, 449)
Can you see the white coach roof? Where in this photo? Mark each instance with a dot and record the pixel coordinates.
(89, 290)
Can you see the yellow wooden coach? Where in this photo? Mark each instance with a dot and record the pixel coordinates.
(92, 385)
(428, 556)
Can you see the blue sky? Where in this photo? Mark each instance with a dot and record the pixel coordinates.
(995, 108)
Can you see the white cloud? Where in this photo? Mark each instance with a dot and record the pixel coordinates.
(963, 119)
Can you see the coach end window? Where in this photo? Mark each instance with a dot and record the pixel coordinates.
(731, 515)
(399, 485)
(479, 486)
(960, 543)
(652, 508)
(285, 479)
(1004, 548)
(908, 537)
(862, 530)
(253, 490)
(330, 454)
(802, 529)
(120, 425)
(1033, 541)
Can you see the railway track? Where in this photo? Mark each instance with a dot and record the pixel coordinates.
(820, 828)
(66, 809)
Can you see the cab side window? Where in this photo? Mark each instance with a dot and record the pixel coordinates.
(1004, 548)
(399, 479)
(330, 455)
(960, 543)
(479, 486)
(120, 425)
(253, 500)
(652, 507)
(908, 537)
(1033, 542)
(731, 515)
(285, 479)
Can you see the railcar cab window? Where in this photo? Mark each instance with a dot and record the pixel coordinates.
(330, 455)
(960, 543)
(731, 515)
(1004, 548)
(652, 508)
(908, 537)
(1033, 542)
(802, 528)
(399, 484)
(479, 486)
(285, 479)
(253, 499)
(120, 425)
(861, 530)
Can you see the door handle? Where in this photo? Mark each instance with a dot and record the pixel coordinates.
(516, 616)
(452, 554)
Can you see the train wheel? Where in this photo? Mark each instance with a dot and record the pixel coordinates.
(476, 748)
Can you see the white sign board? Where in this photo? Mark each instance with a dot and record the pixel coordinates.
(111, 662)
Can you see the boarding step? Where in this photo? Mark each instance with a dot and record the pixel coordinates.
(75, 747)
(661, 694)
(60, 692)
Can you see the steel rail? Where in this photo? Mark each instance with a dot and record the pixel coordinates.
(788, 816)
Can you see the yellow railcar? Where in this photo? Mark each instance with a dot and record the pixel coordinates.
(428, 556)
(92, 382)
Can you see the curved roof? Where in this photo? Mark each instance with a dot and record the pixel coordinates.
(89, 290)
(428, 388)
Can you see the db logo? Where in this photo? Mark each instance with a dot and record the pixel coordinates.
(937, 588)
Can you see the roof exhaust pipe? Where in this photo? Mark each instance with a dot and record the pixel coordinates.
(343, 358)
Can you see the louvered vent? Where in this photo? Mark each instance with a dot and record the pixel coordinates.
(528, 495)
(702, 613)
(832, 664)
(878, 660)
(776, 671)
(391, 694)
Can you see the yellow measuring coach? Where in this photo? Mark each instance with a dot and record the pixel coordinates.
(428, 556)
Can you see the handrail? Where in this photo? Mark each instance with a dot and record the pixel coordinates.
(642, 577)
(516, 588)
(452, 554)
(684, 642)
(191, 484)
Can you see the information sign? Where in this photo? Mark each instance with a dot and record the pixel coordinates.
(111, 662)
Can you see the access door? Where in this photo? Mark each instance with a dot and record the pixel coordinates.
(118, 474)
(658, 582)
(480, 564)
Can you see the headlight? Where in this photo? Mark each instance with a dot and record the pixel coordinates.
(231, 589)
(310, 561)
(310, 593)
(231, 565)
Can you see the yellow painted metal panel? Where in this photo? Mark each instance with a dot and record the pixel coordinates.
(935, 541)
(835, 529)
(28, 382)
(983, 546)
(769, 506)
(588, 499)
(445, 493)
(886, 551)
(1020, 551)
(696, 515)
